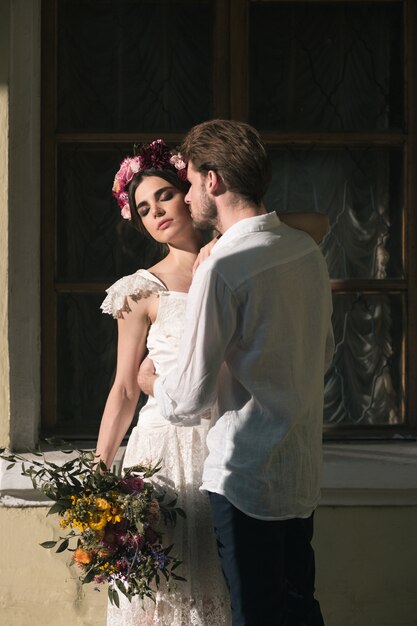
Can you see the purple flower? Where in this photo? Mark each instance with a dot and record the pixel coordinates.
(99, 579)
(156, 155)
(132, 485)
(160, 558)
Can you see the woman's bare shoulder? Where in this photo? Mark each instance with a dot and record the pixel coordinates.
(133, 288)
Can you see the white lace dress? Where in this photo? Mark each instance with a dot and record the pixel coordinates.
(203, 599)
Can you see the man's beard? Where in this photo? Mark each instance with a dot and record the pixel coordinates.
(208, 215)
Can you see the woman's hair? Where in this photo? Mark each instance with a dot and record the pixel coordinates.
(170, 175)
(234, 150)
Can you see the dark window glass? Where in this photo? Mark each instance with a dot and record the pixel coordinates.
(86, 343)
(94, 243)
(361, 190)
(364, 385)
(330, 67)
(134, 66)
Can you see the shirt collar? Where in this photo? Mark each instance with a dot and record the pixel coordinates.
(266, 221)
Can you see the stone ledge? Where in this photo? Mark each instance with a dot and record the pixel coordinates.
(354, 474)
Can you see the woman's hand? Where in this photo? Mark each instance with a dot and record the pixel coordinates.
(205, 252)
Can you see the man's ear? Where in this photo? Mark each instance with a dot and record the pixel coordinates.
(214, 182)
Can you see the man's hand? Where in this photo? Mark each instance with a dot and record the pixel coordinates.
(147, 376)
(204, 253)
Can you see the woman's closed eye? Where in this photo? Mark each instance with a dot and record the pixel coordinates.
(143, 211)
(162, 196)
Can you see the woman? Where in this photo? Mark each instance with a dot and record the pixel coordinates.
(150, 307)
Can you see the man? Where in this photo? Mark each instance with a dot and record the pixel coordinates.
(258, 340)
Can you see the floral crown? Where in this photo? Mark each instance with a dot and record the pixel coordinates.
(156, 155)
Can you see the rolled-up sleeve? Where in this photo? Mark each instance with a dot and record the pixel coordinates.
(191, 388)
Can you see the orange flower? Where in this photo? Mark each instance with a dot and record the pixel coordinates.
(82, 556)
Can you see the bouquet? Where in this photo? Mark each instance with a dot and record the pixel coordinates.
(111, 522)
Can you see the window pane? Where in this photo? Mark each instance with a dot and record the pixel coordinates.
(94, 243)
(364, 385)
(86, 361)
(86, 350)
(134, 65)
(323, 66)
(361, 190)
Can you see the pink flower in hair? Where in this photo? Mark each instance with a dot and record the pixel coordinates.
(125, 211)
(180, 165)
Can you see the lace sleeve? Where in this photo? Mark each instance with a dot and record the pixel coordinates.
(135, 286)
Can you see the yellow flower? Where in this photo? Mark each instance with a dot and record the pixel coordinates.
(98, 521)
(114, 516)
(102, 504)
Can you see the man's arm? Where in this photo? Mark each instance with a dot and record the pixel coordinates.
(147, 376)
(190, 388)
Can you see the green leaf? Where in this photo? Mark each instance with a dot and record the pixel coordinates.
(121, 587)
(56, 441)
(176, 577)
(89, 576)
(56, 508)
(116, 598)
(10, 466)
(113, 596)
(63, 546)
(48, 544)
(103, 466)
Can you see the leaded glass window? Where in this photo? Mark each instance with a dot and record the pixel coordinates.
(331, 86)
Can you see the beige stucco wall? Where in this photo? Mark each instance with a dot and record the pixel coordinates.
(36, 585)
(19, 223)
(4, 126)
(366, 566)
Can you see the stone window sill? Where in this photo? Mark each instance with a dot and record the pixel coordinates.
(354, 474)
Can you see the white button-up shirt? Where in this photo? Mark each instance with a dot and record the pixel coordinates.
(257, 342)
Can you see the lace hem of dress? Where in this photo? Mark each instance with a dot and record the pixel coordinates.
(170, 610)
(135, 287)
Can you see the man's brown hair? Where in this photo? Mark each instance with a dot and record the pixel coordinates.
(234, 150)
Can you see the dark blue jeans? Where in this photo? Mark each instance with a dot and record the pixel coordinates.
(268, 566)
